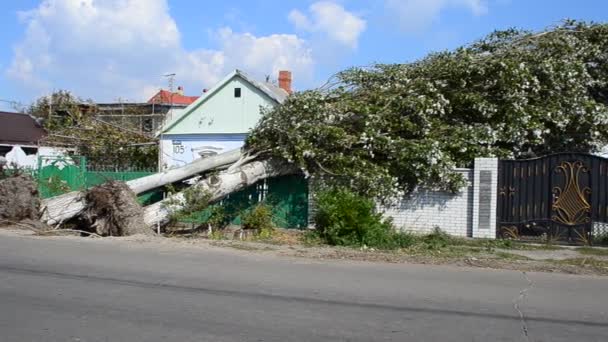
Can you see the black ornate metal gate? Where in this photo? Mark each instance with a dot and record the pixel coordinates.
(560, 197)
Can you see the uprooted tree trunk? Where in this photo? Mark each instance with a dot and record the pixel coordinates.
(112, 210)
(218, 187)
(19, 199)
(64, 207)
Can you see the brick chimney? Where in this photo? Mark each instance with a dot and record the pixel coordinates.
(285, 81)
(180, 90)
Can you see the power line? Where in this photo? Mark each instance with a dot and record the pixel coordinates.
(16, 105)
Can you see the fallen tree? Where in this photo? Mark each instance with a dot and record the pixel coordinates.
(112, 210)
(217, 187)
(64, 207)
(387, 129)
(19, 198)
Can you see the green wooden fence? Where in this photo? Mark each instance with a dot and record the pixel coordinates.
(58, 175)
(288, 195)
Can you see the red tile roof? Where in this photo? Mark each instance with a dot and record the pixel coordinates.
(19, 129)
(167, 97)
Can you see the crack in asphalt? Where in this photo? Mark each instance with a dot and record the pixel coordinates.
(523, 294)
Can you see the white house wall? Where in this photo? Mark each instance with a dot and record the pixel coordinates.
(179, 150)
(18, 157)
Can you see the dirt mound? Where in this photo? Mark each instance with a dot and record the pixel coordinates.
(19, 198)
(112, 210)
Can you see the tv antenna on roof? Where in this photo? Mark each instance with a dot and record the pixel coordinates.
(171, 79)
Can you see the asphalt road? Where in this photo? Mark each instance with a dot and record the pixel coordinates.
(68, 290)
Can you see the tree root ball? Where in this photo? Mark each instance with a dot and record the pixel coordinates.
(112, 210)
(19, 198)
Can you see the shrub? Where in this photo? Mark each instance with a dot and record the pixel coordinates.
(601, 239)
(259, 219)
(438, 239)
(218, 219)
(346, 219)
(194, 201)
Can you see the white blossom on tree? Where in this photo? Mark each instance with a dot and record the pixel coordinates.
(391, 127)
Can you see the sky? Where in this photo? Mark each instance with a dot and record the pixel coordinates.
(119, 50)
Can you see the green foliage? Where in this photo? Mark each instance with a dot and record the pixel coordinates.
(71, 121)
(218, 218)
(191, 202)
(259, 219)
(601, 239)
(59, 109)
(55, 186)
(346, 219)
(593, 251)
(11, 170)
(513, 94)
(217, 235)
(438, 239)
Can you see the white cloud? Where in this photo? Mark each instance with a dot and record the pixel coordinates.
(332, 20)
(260, 56)
(120, 48)
(275, 52)
(415, 15)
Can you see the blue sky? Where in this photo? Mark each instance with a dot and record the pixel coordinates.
(119, 49)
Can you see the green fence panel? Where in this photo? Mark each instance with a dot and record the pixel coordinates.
(288, 197)
(150, 197)
(234, 205)
(58, 175)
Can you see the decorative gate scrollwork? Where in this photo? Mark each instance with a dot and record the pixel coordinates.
(570, 204)
(556, 197)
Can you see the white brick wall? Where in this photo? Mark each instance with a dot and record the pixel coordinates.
(457, 214)
(424, 210)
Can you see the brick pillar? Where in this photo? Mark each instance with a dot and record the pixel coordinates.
(485, 195)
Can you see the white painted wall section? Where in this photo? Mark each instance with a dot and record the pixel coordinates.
(423, 210)
(179, 150)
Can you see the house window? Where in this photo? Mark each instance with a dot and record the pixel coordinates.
(30, 150)
(4, 150)
(237, 92)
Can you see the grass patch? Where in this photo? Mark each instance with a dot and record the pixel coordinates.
(593, 251)
(491, 244)
(510, 256)
(583, 262)
(245, 247)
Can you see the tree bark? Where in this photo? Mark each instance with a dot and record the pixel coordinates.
(61, 208)
(218, 186)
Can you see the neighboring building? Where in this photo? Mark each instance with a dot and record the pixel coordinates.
(220, 119)
(147, 117)
(174, 99)
(20, 136)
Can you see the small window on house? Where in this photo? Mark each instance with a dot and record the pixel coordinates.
(237, 92)
(30, 150)
(4, 150)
